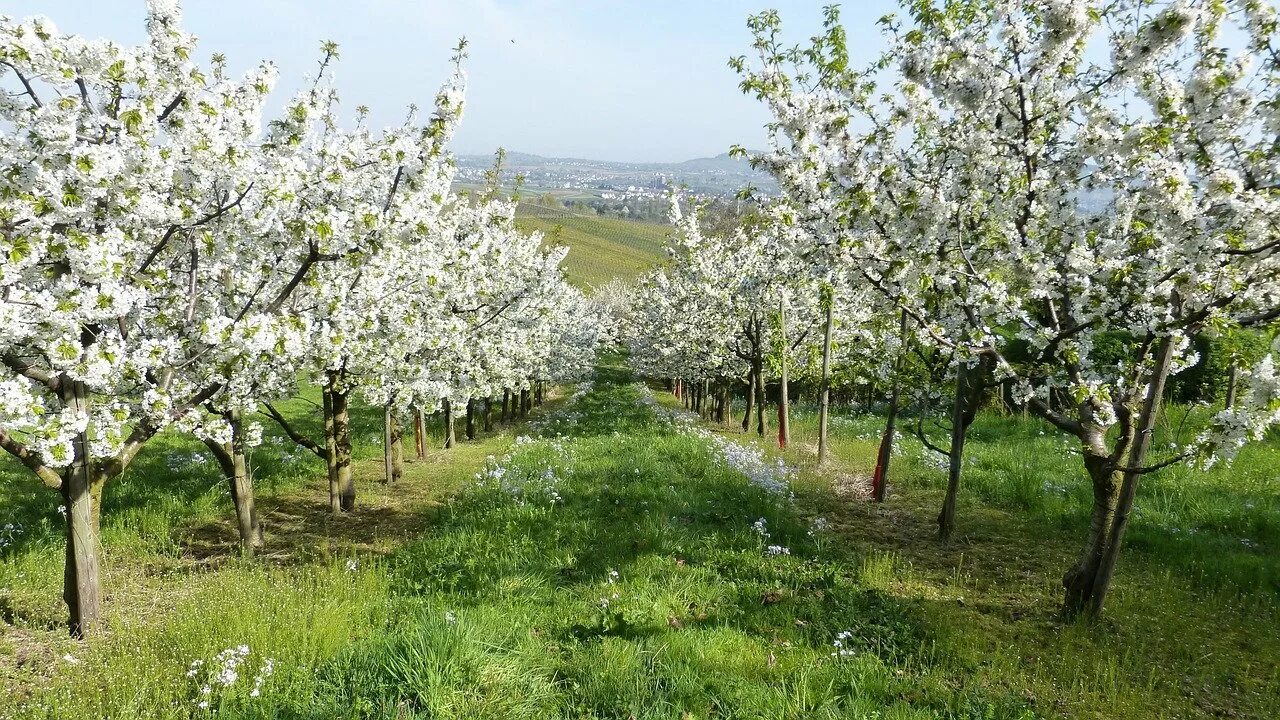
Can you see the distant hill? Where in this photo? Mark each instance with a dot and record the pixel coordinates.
(720, 175)
(723, 161)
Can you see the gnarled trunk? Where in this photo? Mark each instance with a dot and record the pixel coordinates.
(1079, 580)
(750, 400)
(1133, 472)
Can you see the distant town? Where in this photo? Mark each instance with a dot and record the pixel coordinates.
(616, 188)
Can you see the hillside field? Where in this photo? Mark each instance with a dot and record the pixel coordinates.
(600, 248)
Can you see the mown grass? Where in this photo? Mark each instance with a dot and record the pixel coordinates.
(1193, 624)
(600, 248)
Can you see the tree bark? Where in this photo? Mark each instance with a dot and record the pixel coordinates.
(750, 400)
(81, 496)
(488, 413)
(449, 437)
(524, 402)
(1132, 474)
(824, 390)
(506, 404)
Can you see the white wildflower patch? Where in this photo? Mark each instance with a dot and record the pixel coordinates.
(841, 645)
(231, 672)
(771, 475)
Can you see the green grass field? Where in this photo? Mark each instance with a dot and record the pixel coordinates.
(621, 567)
(600, 248)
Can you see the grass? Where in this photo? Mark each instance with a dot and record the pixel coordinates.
(1193, 624)
(617, 567)
(600, 248)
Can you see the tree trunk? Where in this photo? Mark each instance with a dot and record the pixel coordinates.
(537, 393)
(524, 402)
(506, 404)
(81, 495)
(471, 419)
(392, 441)
(880, 478)
(947, 518)
(331, 447)
(488, 413)
(1132, 474)
(242, 488)
(679, 390)
(233, 458)
(419, 433)
(824, 390)
(750, 400)
(449, 437)
(1079, 580)
(342, 436)
(784, 410)
(762, 421)
(1233, 384)
(386, 443)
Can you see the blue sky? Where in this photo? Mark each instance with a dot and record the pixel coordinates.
(641, 80)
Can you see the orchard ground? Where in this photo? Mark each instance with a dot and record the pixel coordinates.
(621, 565)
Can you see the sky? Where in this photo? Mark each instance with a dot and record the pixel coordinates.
(639, 81)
